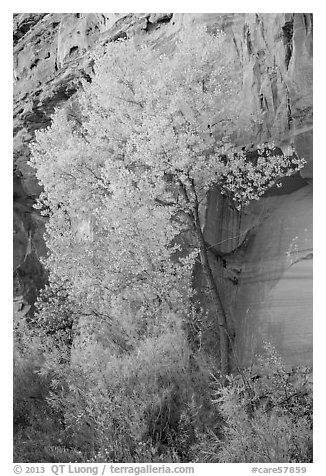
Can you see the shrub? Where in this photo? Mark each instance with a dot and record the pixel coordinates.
(266, 420)
(127, 406)
(36, 425)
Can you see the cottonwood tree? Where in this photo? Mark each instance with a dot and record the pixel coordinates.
(124, 177)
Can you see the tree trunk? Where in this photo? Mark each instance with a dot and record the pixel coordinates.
(194, 220)
(221, 315)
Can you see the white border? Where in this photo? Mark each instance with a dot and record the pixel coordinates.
(319, 195)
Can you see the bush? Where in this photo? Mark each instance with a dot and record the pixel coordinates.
(266, 420)
(151, 404)
(36, 425)
(127, 406)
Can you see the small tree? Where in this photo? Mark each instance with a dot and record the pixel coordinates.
(125, 174)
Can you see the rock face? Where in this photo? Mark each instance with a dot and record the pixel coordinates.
(267, 281)
(274, 299)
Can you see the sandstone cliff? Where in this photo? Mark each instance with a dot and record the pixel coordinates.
(267, 281)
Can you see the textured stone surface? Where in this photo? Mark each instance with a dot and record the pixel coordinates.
(274, 295)
(52, 54)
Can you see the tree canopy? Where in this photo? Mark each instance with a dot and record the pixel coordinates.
(126, 168)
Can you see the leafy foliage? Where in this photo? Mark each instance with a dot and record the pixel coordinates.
(125, 171)
(266, 419)
(99, 406)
